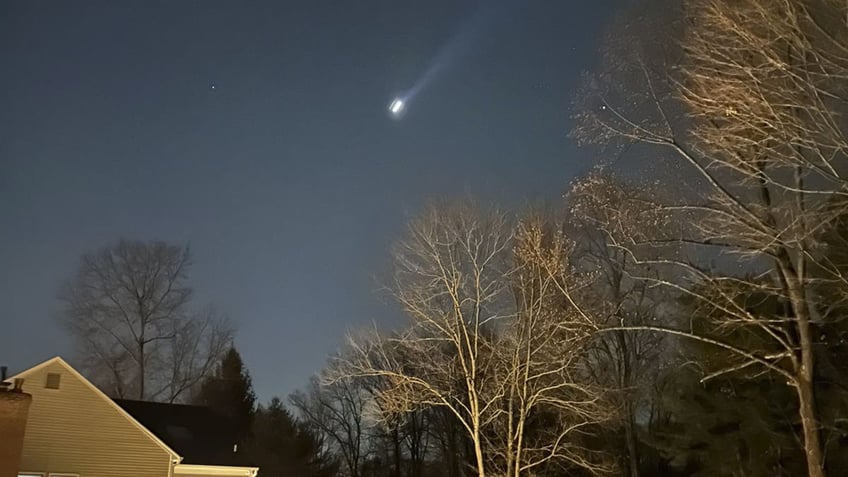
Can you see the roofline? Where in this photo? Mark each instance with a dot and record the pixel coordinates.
(215, 470)
(58, 359)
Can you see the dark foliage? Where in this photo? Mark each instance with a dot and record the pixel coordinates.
(229, 392)
(282, 446)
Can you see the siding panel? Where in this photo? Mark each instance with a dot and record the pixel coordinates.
(72, 429)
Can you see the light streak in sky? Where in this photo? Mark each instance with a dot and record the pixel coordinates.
(458, 45)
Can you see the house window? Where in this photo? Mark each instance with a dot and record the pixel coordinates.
(52, 382)
(30, 474)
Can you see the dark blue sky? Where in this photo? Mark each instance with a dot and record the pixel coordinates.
(288, 178)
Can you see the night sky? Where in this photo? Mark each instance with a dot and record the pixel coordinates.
(287, 177)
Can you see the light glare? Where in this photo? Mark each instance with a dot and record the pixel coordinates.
(397, 106)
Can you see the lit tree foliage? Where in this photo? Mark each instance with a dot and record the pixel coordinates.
(492, 339)
(761, 84)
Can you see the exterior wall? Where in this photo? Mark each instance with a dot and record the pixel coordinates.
(13, 417)
(74, 430)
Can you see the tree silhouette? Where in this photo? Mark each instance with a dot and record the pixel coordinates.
(230, 393)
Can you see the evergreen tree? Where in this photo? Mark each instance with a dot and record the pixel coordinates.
(229, 392)
(282, 446)
(744, 423)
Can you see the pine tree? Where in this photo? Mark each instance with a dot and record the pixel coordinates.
(230, 393)
(744, 423)
(283, 446)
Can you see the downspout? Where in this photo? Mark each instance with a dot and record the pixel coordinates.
(173, 463)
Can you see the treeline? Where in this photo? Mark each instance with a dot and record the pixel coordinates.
(269, 436)
(528, 352)
(538, 345)
(689, 322)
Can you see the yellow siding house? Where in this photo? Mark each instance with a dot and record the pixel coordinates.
(75, 430)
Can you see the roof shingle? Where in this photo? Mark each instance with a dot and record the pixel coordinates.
(197, 433)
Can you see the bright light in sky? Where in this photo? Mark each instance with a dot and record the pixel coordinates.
(397, 107)
(454, 49)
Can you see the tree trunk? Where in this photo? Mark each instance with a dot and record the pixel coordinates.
(458, 451)
(807, 402)
(626, 385)
(632, 446)
(812, 443)
(141, 371)
(396, 443)
(805, 375)
(478, 449)
(478, 453)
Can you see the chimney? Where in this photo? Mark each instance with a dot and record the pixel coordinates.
(14, 410)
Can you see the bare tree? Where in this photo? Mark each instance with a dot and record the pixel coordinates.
(198, 343)
(335, 410)
(625, 361)
(551, 405)
(450, 443)
(762, 85)
(128, 307)
(491, 341)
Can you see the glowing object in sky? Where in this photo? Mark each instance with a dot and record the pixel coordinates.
(458, 46)
(396, 107)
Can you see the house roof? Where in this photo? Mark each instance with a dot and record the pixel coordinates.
(209, 451)
(197, 433)
(58, 360)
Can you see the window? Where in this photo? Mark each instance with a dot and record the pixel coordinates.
(51, 474)
(30, 474)
(52, 382)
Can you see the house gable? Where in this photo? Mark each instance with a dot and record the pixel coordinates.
(73, 427)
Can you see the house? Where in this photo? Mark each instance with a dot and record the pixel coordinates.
(74, 430)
